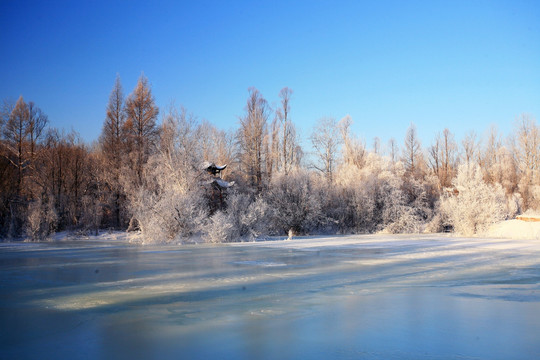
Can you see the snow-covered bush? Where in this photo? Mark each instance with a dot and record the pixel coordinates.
(243, 219)
(355, 206)
(376, 197)
(408, 207)
(42, 219)
(219, 228)
(169, 206)
(473, 205)
(294, 203)
(169, 216)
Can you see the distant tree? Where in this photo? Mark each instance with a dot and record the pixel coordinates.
(140, 126)
(527, 144)
(354, 150)
(23, 130)
(37, 123)
(393, 151)
(489, 156)
(376, 145)
(66, 177)
(326, 141)
(470, 147)
(16, 134)
(443, 157)
(412, 153)
(288, 142)
(253, 138)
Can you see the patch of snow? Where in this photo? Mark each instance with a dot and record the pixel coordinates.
(515, 229)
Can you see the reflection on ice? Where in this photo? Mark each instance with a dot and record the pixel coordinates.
(341, 297)
(259, 263)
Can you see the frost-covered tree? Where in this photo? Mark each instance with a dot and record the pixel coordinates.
(326, 141)
(473, 205)
(288, 144)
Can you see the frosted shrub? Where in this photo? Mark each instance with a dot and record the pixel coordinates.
(400, 214)
(243, 219)
(294, 203)
(169, 206)
(255, 220)
(356, 207)
(375, 197)
(474, 205)
(219, 228)
(412, 207)
(42, 219)
(169, 215)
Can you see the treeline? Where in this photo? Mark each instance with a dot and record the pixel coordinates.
(146, 175)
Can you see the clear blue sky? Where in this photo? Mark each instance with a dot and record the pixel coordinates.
(457, 64)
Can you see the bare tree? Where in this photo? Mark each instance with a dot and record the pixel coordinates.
(443, 157)
(37, 122)
(470, 147)
(326, 140)
(289, 142)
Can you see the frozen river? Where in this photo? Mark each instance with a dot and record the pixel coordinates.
(351, 297)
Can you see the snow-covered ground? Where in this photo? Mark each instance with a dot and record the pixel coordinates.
(516, 229)
(349, 297)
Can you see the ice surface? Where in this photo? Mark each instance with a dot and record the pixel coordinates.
(371, 297)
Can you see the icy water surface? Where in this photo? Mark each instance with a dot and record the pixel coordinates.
(356, 297)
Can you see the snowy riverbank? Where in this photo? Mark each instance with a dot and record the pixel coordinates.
(509, 229)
